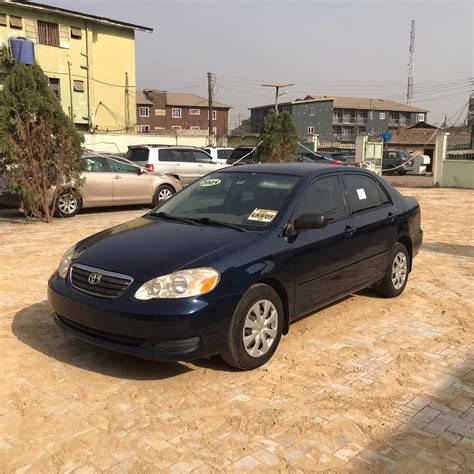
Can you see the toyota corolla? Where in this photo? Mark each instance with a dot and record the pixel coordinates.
(226, 265)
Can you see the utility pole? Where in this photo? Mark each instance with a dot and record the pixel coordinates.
(209, 91)
(411, 65)
(470, 118)
(127, 105)
(277, 86)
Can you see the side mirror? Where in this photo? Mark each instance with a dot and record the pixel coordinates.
(141, 171)
(310, 221)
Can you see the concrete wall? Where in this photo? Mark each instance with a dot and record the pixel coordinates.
(119, 142)
(314, 114)
(458, 174)
(111, 52)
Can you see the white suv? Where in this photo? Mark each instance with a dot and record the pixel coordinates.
(219, 154)
(185, 163)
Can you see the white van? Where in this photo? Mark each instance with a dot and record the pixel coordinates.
(219, 154)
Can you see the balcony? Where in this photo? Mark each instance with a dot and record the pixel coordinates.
(349, 120)
(398, 122)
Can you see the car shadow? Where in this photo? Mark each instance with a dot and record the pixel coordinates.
(449, 249)
(34, 326)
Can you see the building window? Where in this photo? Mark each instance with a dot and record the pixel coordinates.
(144, 128)
(214, 115)
(312, 111)
(143, 111)
(421, 117)
(310, 130)
(176, 127)
(76, 32)
(16, 22)
(382, 116)
(48, 33)
(55, 86)
(195, 112)
(371, 115)
(176, 113)
(195, 127)
(3, 19)
(78, 86)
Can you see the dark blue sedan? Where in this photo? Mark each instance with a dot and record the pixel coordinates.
(224, 266)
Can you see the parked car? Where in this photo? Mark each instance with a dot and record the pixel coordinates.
(109, 181)
(219, 154)
(224, 266)
(185, 163)
(244, 155)
(324, 157)
(397, 162)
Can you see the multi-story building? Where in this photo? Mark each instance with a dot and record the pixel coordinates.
(342, 118)
(89, 60)
(161, 110)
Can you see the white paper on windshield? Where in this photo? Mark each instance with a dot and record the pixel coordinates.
(361, 194)
(262, 215)
(210, 182)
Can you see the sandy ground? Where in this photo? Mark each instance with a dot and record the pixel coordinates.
(367, 384)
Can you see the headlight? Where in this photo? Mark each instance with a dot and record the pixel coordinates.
(180, 284)
(65, 263)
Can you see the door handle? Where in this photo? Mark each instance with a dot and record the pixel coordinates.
(349, 230)
(391, 217)
(117, 177)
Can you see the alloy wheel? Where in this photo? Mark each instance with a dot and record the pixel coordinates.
(260, 328)
(399, 270)
(67, 203)
(164, 194)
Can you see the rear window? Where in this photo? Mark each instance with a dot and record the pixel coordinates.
(168, 155)
(224, 154)
(362, 192)
(137, 154)
(241, 152)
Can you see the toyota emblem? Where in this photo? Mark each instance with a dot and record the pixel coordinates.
(94, 278)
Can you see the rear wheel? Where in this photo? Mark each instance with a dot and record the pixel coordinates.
(396, 275)
(256, 328)
(68, 204)
(389, 170)
(162, 193)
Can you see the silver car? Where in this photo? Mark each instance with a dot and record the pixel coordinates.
(185, 163)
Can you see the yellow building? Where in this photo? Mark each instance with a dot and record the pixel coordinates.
(89, 60)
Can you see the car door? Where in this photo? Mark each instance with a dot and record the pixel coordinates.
(375, 222)
(131, 185)
(324, 258)
(97, 189)
(204, 162)
(187, 166)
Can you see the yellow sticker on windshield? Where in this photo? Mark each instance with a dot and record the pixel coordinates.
(262, 215)
(209, 182)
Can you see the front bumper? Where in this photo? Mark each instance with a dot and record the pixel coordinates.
(181, 329)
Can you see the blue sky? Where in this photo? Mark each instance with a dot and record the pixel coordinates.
(351, 48)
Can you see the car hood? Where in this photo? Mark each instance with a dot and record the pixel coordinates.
(148, 247)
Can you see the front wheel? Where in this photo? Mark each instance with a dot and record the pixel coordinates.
(68, 204)
(396, 275)
(255, 330)
(162, 193)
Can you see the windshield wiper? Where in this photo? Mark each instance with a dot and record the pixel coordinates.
(208, 221)
(170, 217)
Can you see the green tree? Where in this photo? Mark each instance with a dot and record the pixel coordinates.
(39, 145)
(278, 139)
(243, 128)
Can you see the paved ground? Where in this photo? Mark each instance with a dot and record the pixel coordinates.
(367, 384)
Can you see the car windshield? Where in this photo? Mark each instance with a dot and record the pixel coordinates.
(249, 200)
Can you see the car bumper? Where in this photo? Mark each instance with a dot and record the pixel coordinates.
(182, 329)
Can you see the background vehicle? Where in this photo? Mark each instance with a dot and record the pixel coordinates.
(397, 162)
(219, 154)
(185, 163)
(241, 151)
(325, 157)
(237, 257)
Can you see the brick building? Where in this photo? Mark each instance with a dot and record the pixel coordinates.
(172, 111)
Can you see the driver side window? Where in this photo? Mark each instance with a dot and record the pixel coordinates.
(119, 167)
(324, 196)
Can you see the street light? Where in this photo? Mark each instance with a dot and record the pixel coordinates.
(277, 86)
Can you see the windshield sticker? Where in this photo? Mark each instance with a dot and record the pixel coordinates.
(210, 182)
(361, 194)
(262, 215)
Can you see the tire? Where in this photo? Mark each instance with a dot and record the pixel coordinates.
(396, 275)
(389, 171)
(162, 190)
(259, 301)
(68, 204)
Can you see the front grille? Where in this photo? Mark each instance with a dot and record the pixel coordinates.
(97, 282)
